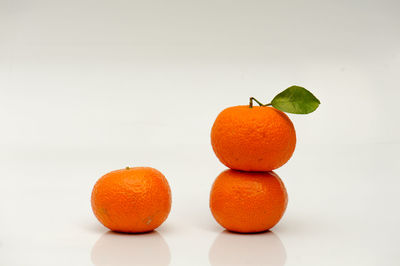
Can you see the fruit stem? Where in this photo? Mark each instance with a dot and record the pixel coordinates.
(259, 103)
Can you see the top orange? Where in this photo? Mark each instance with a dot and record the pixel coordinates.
(258, 138)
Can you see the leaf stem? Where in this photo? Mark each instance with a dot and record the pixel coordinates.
(258, 102)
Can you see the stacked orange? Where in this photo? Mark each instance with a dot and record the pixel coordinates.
(252, 141)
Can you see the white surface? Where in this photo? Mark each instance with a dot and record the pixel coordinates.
(92, 86)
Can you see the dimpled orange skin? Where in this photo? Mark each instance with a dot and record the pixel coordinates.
(133, 200)
(253, 139)
(248, 202)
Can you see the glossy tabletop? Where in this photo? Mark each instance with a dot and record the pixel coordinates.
(92, 86)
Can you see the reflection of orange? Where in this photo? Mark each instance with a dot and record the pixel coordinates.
(114, 249)
(250, 250)
(248, 202)
(253, 139)
(132, 200)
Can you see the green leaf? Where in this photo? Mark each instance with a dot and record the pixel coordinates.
(296, 100)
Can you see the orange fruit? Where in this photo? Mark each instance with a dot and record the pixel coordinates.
(253, 139)
(248, 202)
(132, 200)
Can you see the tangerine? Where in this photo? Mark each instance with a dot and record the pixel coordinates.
(132, 200)
(248, 202)
(259, 138)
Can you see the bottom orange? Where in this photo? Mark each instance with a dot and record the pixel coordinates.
(248, 202)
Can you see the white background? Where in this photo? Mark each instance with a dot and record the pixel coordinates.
(92, 86)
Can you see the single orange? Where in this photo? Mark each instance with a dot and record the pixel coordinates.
(248, 202)
(260, 138)
(132, 200)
